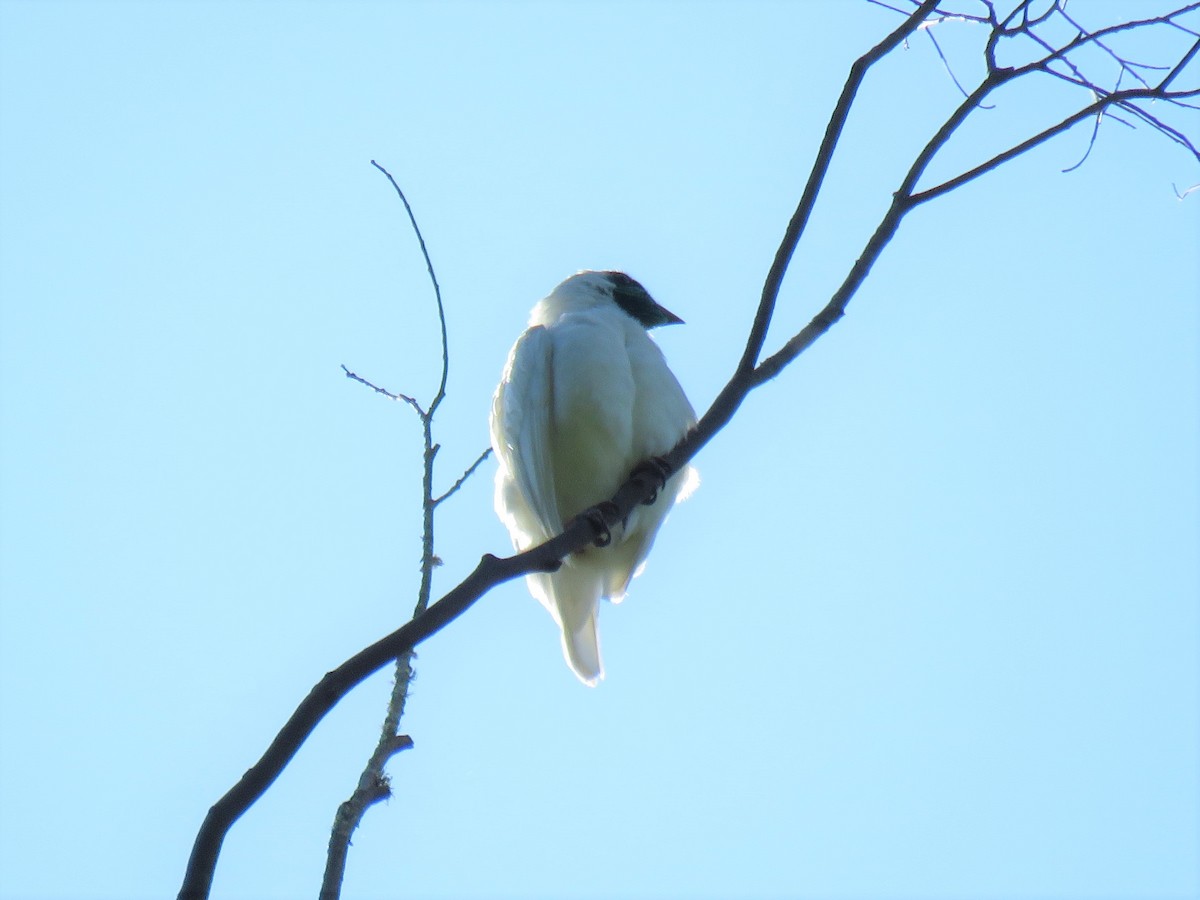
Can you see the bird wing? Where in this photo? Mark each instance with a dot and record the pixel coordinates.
(592, 416)
(525, 496)
(661, 416)
(526, 499)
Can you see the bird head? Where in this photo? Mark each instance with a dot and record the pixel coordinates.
(588, 288)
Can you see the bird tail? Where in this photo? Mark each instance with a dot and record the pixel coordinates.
(582, 651)
(572, 596)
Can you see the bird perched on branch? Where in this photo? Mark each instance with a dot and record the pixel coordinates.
(586, 396)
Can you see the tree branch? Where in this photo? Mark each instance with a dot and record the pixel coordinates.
(748, 375)
(411, 401)
(812, 189)
(373, 783)
(1039, 138)
(465, 475)
(437, 290)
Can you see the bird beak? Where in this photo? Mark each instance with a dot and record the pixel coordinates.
(668, 317)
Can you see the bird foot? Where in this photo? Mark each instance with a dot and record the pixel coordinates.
(596, 517)
(656, 470)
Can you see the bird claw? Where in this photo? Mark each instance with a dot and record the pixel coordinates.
(596, 516)
(655, 469)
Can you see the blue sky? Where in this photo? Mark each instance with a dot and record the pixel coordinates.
(928, 628)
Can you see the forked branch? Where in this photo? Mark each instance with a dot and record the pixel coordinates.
(374, 784)
(1022, 19)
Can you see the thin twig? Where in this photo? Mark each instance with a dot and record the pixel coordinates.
(889, 7)
(465, 475)
(437, 290)
(1099, 118)
(946, 63)
(1163, 128)
(377, 389)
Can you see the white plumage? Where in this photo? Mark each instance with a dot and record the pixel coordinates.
(585, 397)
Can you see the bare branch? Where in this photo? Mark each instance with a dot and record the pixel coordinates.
(374, 780)
(1162, 128)
(1125, 66)
(1093, 37)
(1188, 57)
(889, 7)
(1090, 144)
(1043, 136)
(377, 389)
(437, 290)
(749, 374)
(373, 786)
(945, 62)
(465, 475)
(808, 199)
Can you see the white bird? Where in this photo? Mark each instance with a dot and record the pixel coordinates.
(585, 397)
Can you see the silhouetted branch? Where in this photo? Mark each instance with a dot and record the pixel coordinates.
(437, 289)
(750, 372)
(812, 189)
(945, 62)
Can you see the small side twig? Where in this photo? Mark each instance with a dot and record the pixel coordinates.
(465, 475)
(377, 389)
(946, 63)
